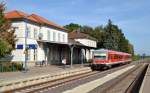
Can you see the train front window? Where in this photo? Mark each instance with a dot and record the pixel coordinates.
(100, 57)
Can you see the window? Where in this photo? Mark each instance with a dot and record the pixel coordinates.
(28, 32)
(29, 55)
(35, 33)
(100, 57)
(48, 35)
(115, 56)
(63, 38)
(35, 54)
(54, 36)
(58, 37)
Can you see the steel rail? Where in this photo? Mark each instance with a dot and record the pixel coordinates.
(133, 85)
(38, 87)
(48, 84)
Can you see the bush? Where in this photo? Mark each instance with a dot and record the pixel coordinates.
(10, 66)
(3, 48)
(136, 57)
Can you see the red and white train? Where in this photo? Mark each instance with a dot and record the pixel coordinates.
(106, 58)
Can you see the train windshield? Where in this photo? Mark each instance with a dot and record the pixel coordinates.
(101, 56)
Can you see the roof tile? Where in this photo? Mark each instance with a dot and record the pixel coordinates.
(77, 34)
(15, 14)
(33, 17)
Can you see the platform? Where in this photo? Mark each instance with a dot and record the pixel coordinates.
(145, 88)
(37, 72)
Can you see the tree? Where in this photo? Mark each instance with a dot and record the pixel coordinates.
(72, 27)
(108, 37)
(4, 48)
(98, 33)
(87, 30)
(111, 38)
(7, 37)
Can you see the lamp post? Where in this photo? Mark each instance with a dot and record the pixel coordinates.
(71, 46)
(82, 56)
(26, 47)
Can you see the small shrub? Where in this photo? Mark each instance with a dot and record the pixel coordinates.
(10, 66)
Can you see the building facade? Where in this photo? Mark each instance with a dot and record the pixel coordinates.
(47, 41)
(42, 37)
(83, 46)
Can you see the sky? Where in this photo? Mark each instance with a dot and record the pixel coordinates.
(132, 16)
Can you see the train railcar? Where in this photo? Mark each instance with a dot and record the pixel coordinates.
(106, 58)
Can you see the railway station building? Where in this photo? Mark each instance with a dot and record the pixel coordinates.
(47, 41)
(83, 45)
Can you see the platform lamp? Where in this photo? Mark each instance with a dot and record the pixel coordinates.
(25, 68)
(71, 46)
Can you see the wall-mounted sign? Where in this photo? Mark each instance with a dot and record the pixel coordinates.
(19, 46)
(32, 46)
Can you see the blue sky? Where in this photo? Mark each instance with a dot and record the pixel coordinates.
(132, 16)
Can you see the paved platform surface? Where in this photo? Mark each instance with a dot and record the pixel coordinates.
(145, 88)
(36, 71)
(87, 87)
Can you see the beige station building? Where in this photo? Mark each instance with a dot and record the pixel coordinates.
(47, 41)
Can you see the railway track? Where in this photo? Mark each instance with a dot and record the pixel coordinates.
(49, 84)
(129, 82)
(46, 86)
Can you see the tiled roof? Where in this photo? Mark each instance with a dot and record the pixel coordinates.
(79, 35)
(45, 21)
(15, 14)
(33, 17)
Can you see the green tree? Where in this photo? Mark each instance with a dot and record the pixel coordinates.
(7, 37)
(98, 33)
(4, 48)
(108, 37)
(114, 39)
(87, 30)
(72, 26)
(111, 37)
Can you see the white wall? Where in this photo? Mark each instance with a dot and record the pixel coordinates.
(18, 54)
(20, 32)
(45, 30)
(87, 42)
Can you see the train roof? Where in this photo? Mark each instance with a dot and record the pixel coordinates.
(111, 51)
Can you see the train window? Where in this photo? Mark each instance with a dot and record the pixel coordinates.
(116, 56)
(100, 57)
(110, 57)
